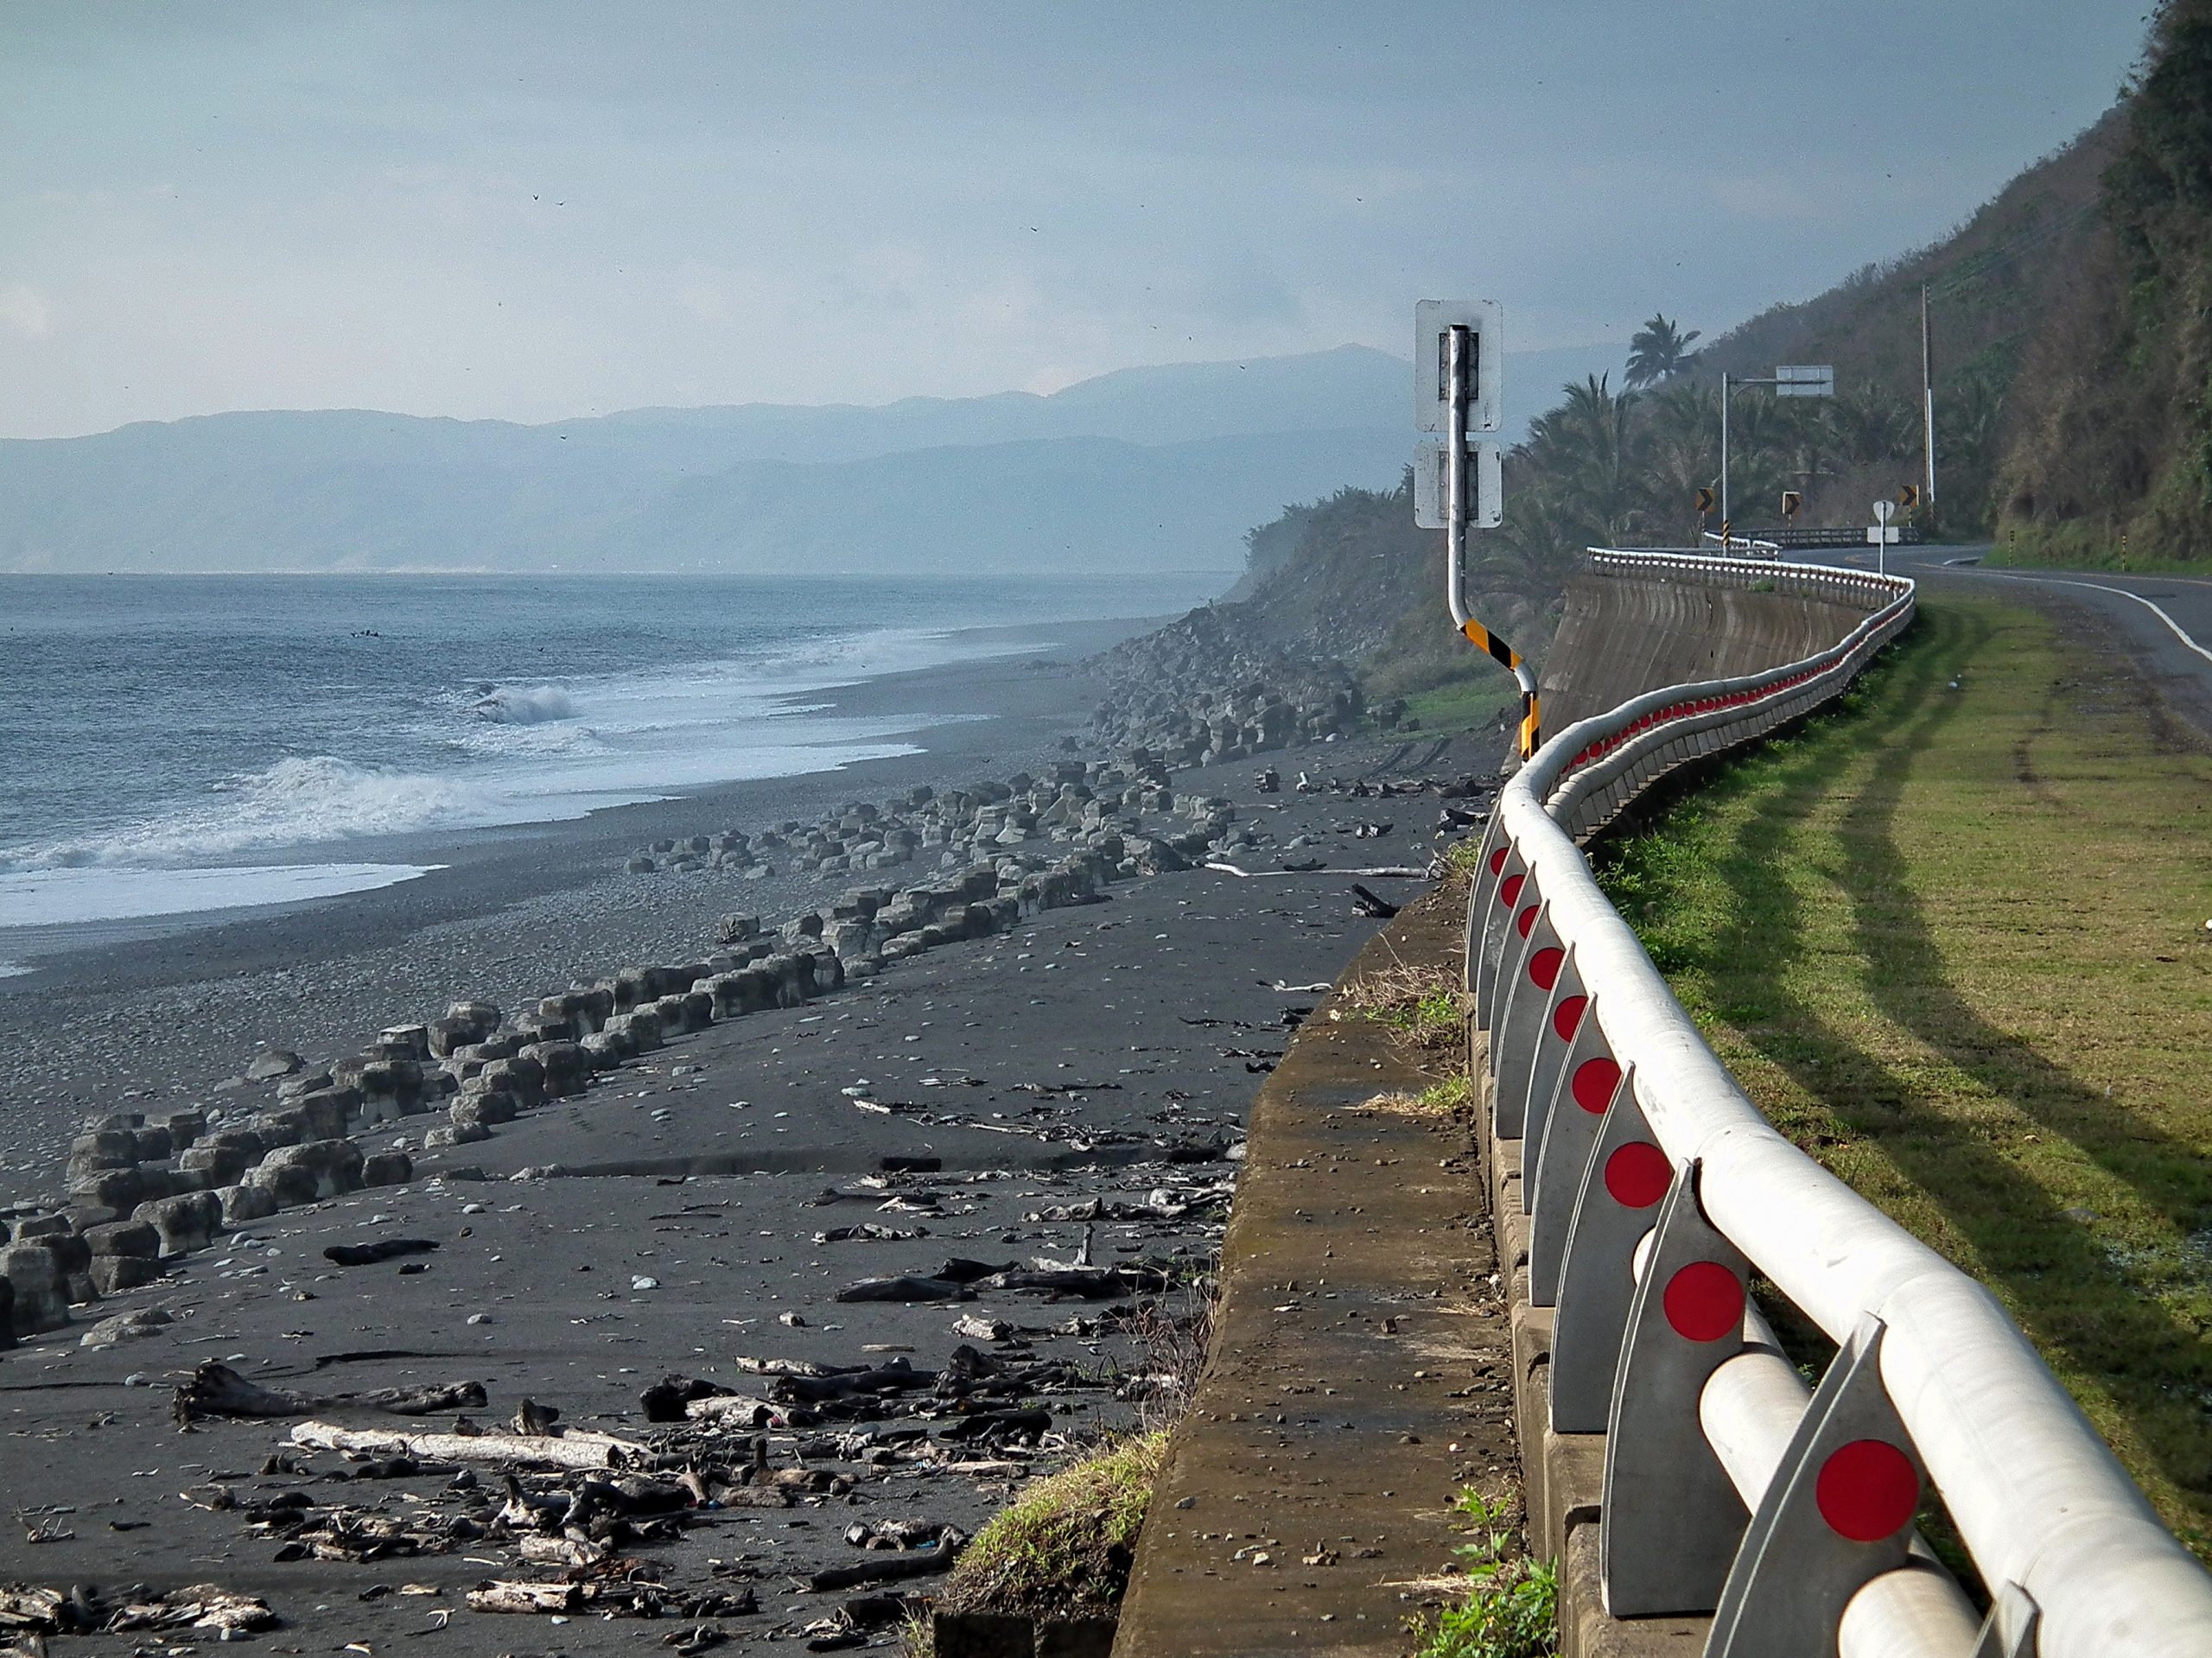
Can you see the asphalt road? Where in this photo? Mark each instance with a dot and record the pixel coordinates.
(2168, 619)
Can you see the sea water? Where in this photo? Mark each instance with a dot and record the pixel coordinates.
(177, 744)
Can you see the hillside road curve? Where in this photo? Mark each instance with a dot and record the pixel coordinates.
(2167, 618)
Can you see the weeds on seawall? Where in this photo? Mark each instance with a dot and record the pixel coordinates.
(1952, 939)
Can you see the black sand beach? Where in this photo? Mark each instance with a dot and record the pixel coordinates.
(1094, 1060)
(155, 1014)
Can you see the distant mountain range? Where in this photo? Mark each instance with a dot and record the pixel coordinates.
(1143, 469)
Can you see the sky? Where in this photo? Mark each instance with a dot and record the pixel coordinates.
(536, 209)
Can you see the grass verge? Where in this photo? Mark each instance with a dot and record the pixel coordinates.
(1511, 1608)
(1953, 940)
(1063, 1549)
(2080, 547)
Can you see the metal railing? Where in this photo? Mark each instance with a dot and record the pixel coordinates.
(1655, 1189)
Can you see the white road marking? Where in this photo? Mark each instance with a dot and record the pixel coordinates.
(2179, 633)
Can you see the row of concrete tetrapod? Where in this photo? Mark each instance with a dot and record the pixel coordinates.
(141, 1193)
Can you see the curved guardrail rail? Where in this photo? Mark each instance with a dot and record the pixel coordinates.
(1655, 1189)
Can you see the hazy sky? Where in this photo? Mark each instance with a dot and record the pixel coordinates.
(540, 208)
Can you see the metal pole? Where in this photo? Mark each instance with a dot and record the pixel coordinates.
(1724, 447)
(1455, 477)
(1926, 401)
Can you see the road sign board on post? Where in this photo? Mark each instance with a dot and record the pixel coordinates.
(1805, 380)
(1883, 511)
(1705, 500)
(1433, 320)
(1486, 486)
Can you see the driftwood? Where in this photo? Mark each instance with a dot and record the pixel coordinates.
(500, 1596)
(215, 1389)
(500, 1450)
(726, 1407)
(888, 1568)
(368, 1255)
(905, 1287)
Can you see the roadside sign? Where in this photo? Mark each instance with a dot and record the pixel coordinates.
(1805, 380)
(1909, 497)
(1882, 535)
(1705, 500)
(1433, 320)
(1486, 486)
(1883, 511)
(1791, 501)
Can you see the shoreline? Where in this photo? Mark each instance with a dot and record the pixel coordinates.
(165, 1008)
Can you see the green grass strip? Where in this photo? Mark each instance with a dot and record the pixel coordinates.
(1953, 938)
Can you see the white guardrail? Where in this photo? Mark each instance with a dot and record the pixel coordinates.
(1655, 1189)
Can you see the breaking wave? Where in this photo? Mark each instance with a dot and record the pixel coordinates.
(295, 802)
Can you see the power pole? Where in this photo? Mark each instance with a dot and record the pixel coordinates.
(1927, 404)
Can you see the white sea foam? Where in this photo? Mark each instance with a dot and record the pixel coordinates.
(519, 705)
(295, 802)
(54, 898)
(520, 753)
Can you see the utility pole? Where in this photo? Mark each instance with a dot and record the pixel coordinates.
(1724, 446)
(1927, 404)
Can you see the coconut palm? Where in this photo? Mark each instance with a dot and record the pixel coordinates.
(1657, 351)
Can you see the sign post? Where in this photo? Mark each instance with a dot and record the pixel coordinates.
(1789, 380)
(1457, 356)
(1883, 534)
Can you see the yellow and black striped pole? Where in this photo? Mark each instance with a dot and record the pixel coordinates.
(1458, 344)
(1505, 656)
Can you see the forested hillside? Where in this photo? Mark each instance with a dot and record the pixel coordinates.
(2111, 435)
(2071, 319)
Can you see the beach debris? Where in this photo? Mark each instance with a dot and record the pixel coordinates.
(905, 1287)
(872, 1232)
(82, 1611)
(370, 1255)
(1367, 904)
(215, 1389)
(574, 1450)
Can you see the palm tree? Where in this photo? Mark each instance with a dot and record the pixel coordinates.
(1657, 350)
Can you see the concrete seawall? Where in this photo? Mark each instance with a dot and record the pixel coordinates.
(1622, 637)
(1369, 1355)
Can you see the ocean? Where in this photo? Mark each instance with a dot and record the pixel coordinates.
(179, 743)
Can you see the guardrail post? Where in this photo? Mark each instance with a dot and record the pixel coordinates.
(1508, 876)
(1512, 915)
(1583, 1087)
(1624, 1179)
(1562, 1017)
(1837, 1513)
(1671, 1520)
(1492, 847)
(2010, 1628)
(1520, 1025)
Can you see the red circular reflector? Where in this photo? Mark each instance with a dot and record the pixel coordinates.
(1525, 920)
(1703, 1301)
(1509, 889)
(1544, 965)
(1867, 1490)
(1497, 860)
(1637, 1175)
(1595, 1082)
(1566, 1018)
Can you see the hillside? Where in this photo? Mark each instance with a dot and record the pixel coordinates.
(2110, 449)
(1990, 282)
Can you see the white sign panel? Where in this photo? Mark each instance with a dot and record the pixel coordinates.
(1805, 380)
(1433, 320)
(1486, 486)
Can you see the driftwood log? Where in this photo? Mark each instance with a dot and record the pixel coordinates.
(215, 1389)
(499, 1450)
